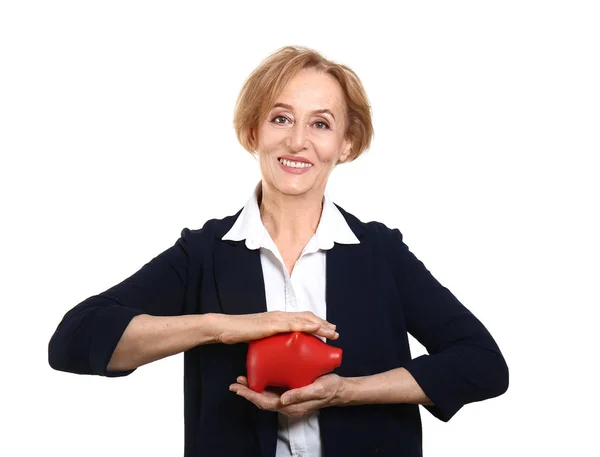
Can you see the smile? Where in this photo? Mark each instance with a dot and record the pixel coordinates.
(289, 163)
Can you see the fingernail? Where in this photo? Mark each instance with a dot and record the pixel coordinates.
(336, 334)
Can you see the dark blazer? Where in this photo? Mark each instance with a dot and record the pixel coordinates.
(377, 293)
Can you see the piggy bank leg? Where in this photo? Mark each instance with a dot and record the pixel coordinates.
(256, 383)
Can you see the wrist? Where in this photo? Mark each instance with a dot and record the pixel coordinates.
(211, 327)
(347, 392)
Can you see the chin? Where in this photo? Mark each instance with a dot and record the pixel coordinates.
(288, 190)
(293, 189)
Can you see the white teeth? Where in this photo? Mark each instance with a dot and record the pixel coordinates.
(291, 164)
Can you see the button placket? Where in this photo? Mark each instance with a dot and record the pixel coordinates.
(290, 296)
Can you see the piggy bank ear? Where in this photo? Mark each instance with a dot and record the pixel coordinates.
(294, 339)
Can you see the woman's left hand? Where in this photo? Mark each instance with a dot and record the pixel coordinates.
(324, 391)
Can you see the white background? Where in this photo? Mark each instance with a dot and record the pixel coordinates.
(116, 133)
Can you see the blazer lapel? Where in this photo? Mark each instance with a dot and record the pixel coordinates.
(239, 278)
(348, 293)
(241, 290)
(349, 289)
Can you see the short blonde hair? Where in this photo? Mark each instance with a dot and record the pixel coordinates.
(267, 81)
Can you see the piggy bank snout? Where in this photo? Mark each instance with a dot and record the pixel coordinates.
(335, 357)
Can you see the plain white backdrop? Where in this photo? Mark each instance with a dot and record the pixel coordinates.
(116, 133)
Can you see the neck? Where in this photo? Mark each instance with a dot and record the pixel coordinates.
(289, 217)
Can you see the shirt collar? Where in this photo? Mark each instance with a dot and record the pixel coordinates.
(332, 227)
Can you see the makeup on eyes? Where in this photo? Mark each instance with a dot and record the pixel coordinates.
(324, 122)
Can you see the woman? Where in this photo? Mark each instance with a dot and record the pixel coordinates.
(291, 260)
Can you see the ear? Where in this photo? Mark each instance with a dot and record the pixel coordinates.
(347, 150)
(252, 138)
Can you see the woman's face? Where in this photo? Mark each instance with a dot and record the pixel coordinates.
(302, 138)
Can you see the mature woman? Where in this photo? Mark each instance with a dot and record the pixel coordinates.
(291, 260)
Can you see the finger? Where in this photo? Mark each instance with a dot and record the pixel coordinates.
(327, 332)
(267, 394)
(326, 329)
(320, 327)
(314, 329)
(242, 380)
(265, 400)
(235, 387)
(329, 335)
(314, 318)
(305, 326)
(302, 409)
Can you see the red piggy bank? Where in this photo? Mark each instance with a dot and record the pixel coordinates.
(289, 360)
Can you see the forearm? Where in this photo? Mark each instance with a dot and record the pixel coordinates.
(150, 338)
(394, 386)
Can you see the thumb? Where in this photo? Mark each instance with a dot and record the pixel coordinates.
(293, 396)
(286, 398)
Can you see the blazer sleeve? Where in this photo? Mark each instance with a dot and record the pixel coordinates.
(464, 363)
(86, 337)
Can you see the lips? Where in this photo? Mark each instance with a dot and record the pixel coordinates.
(295, 168)
(295, 159)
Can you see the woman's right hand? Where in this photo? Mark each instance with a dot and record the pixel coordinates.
(238, 328)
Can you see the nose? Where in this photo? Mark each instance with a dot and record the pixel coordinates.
(297, 137)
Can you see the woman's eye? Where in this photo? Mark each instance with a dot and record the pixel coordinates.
(321, 125)
(279, 117)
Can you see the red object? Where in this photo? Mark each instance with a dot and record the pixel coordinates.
(289, 360)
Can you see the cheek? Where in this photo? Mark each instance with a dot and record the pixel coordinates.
(262, 160)
(329, 151)
(270, 137)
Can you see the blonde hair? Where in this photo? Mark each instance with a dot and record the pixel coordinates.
(266, 82)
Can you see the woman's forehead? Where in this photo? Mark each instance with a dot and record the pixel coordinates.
(313, 91)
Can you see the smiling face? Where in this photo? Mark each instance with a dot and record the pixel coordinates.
(302, 138)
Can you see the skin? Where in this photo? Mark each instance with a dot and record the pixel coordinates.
(291, 204)
(290, 210)
(318, 137)
(149, 338)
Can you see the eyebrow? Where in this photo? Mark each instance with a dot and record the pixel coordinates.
(291, 108)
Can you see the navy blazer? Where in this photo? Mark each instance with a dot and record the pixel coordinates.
(377, 292)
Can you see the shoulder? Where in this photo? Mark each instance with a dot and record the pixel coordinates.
(205, 236)
(386, 243)
(373, 229)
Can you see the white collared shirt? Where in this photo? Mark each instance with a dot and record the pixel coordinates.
(304, 290)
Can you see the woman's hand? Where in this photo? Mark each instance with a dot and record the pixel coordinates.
(325, 391)
(231, 329)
